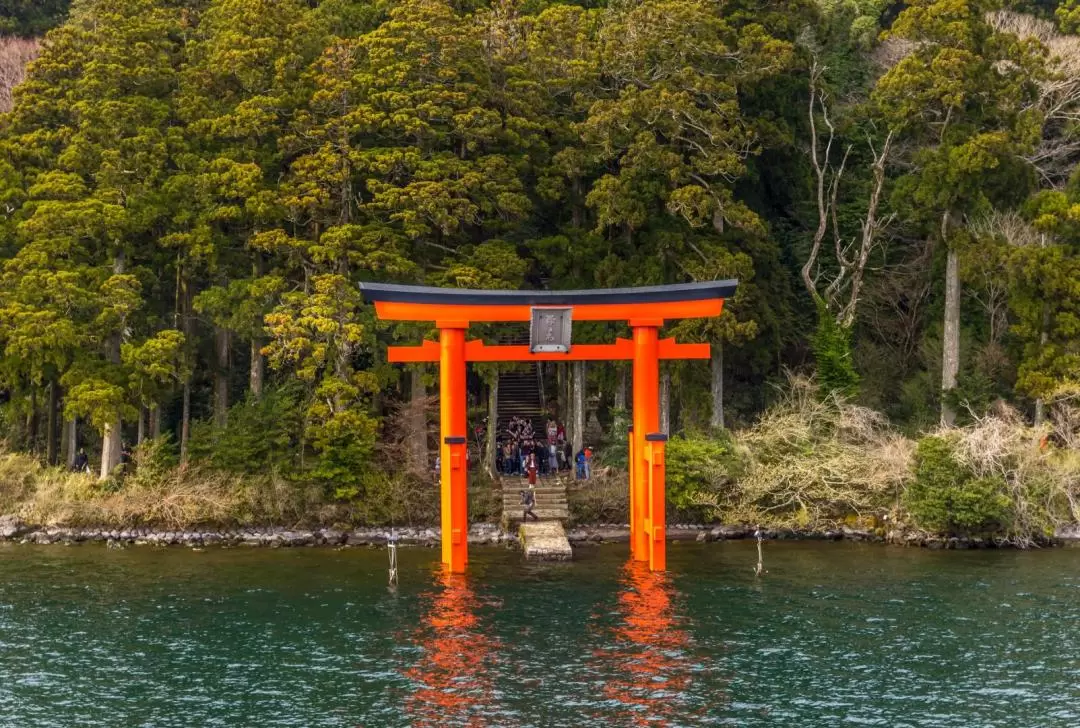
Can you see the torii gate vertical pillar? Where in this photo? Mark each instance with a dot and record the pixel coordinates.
(646, 420)
(452, 446)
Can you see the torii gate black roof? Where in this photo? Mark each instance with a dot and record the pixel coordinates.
(397, 293)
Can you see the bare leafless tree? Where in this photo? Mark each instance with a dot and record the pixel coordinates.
(15, 54)
(1058, 100)
(838, 284)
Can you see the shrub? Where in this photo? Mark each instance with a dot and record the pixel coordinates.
(946, 495)
(831, 344)
(1022, 487)
(700, 470)
(261, 436)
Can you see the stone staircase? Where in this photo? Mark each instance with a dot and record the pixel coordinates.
(551, 503)
(519, 396)
(520, 391)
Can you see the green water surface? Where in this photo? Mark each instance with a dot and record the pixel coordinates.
(834, 634)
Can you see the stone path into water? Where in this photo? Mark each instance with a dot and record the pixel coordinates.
(545, 541)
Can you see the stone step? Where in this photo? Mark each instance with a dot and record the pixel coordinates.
(545, 541)
(513, 498)
(539, 489)
(543, 514)
(554, 504)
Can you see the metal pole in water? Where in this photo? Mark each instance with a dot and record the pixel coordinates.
(391, 544)
(760, 568)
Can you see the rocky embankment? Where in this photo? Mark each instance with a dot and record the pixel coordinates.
(14, 529)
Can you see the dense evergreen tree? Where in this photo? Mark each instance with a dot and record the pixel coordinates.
(190, 192)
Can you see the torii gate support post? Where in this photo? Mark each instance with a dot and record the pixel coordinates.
(452, 447)
(656, 526)
(646, 420)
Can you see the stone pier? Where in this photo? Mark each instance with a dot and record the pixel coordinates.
(545, 541)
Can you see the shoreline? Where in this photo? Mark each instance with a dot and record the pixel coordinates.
(14, 530)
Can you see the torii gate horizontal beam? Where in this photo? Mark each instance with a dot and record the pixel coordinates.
(478, 351)
(395, 302)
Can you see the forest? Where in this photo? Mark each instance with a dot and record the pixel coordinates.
(190, 191)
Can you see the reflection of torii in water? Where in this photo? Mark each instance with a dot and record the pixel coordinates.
(650, 658)
(454, 677)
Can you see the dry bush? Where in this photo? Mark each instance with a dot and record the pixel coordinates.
(1041, 481)
(174, 499)
(812, 463)
(15, 54)
(1059, 91)
(604, 498)
(891, 51)
(404, 443)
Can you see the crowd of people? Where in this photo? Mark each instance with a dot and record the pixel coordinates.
(522, 452)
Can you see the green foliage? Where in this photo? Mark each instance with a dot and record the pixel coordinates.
(946, 496)
(262, 436)
(700, 468)
(153, 461)
(177, 176)
(831, 344)
(31, 17)
(1068, 16)
(344, 442)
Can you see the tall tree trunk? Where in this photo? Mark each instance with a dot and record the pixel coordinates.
(621, 420)
(52, 424)
(187, 322)
(221, 376)
(418, 428)
(110, 447)
(258, 369)
(110, 436)
(579, 405)
(490, 443)
(716, 365)
(141, 436)
(950, 357)
(185, 424)
(258, 362)
(561, 389)
(71, 442)
(32, 421)
(155, 421)
(665, 401)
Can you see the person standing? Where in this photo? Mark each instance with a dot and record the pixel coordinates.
(588, 462)
(82, 462)
(531, 467)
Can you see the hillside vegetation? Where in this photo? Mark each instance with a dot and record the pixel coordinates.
(191, 191)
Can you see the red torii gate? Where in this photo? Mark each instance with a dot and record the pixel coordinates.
(645, 309)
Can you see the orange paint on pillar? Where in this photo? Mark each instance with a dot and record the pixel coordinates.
(646, 420)
(630, 472)
(452, 444)
(657, 535)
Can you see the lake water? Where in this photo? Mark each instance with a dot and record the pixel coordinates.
(834, 634)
